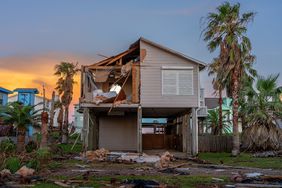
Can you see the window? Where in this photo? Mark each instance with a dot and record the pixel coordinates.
(177, 81)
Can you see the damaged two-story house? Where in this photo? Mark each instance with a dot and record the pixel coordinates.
(122, 93)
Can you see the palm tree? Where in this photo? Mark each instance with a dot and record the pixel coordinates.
(218, 85)
(213, 123)
(226, 29)
(262, 111)
(66, 72)
(20, 116)
(60, 117)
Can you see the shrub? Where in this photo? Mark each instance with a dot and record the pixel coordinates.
(13, 164)
(31, 146)
(34, 163)
(7, 145)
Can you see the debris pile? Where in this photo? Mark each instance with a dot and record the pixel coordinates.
(121, 157)
(164, 161)
(268, 154)
(97, 155)
(256, 179)
(25, 171)
(24, 175)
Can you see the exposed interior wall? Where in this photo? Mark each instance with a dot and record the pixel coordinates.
(128, 89)
(118, 133)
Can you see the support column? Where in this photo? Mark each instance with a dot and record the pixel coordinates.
(93, 136)
(184, 133)
(85, 129)
(194, 132)
(139, 129)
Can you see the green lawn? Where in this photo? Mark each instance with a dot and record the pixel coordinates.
(244, 159)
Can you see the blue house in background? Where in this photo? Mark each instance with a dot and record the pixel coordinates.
(27, 97)
(4, 96)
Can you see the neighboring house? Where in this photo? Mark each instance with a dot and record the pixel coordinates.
(4, 96)
(213, 104)
(146, 81)
(28, 96)
(5, 130)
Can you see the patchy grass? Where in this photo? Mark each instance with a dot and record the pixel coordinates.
(244, 159)
(46, 185)
(54, 165)
(181, 181)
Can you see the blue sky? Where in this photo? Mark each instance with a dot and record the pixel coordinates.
(36, 34)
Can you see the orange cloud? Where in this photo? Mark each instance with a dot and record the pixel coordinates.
(33, 71)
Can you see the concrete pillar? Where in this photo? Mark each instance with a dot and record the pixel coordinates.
(194, 132)
(139, 129)
(93, 135)
(184, 133)
(85, 128)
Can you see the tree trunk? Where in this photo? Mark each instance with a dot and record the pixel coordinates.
(51, 123)
(60, 120)
(235, 97)
(65, 126)
(21, 131)
(220, 111)
(44, 130)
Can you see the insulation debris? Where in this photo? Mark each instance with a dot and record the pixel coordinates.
(109, 97)
(25, 171)
(126, 68)
(164, 161)
(97, 155)
(5, 173)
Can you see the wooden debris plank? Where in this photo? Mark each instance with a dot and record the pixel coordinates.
(128, 74)
(135, 82)
(104, 67)
(121, 55)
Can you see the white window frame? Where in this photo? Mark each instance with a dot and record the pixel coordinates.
(177, 79)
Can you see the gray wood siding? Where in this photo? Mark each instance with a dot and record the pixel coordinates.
(151, 79)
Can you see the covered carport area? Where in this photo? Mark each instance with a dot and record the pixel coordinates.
(122, 129)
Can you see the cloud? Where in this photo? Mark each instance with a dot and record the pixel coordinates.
(41, 64)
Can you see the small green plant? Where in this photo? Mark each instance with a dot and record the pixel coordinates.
(7, 145)
(13, 164)
(34, 163)
(31, 146)
(38, 137)
(43, 154)
(54, 165)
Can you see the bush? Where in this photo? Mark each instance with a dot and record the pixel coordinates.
(7, 146)
(34, 163)
(31, 146)
(43, 154)
(13, 164)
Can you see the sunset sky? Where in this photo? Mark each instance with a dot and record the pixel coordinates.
(36, 35)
